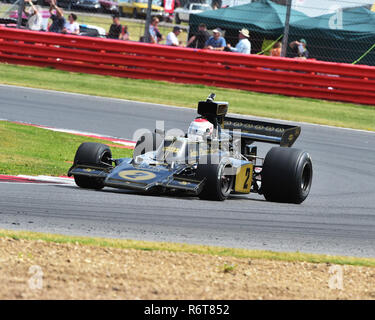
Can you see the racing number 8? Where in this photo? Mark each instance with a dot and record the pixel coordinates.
(247, 174)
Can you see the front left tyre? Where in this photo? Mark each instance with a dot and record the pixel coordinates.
(95, 155)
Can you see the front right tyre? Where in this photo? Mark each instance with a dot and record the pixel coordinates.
(219, 179)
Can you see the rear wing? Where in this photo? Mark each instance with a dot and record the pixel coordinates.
(281, 134)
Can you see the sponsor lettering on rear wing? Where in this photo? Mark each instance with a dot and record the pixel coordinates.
(281, 134)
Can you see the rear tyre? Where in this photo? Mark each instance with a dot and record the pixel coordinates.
(219, 180)
(96, 155)
(177, 19)
(286, 175)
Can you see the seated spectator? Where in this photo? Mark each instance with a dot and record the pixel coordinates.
(125, 33)
(299, 49)
(276, 49)
(172, 39)
(199, 39)
(244, 45)
(116, 30)
(216, 42)
(71, 26)
(58, 20)
(34, 18)
(155, 35)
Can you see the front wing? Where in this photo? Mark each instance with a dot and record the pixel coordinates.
(143, 177)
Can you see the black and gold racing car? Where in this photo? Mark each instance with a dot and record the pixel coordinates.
(223, 162)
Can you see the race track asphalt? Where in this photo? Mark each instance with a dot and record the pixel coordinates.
(337, 218)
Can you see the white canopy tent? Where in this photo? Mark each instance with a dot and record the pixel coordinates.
(314, 8)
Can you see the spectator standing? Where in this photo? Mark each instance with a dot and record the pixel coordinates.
(276, 49)
(58, 20)
(299, 49)
(172, 39)
(199, 39)
(116, 29)
(34, 18)
(155, 35)
(216, 42)
(243, 45)
(71, 26)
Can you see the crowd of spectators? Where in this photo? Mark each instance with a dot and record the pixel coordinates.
(199, 40)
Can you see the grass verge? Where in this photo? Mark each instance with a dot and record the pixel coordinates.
(32, 151)
(242, 102)
(188, 248)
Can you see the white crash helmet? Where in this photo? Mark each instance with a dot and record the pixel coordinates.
(199, 128)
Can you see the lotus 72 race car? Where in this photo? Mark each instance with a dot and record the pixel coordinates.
(214, 159)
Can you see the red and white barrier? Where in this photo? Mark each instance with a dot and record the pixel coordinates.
(292, 77)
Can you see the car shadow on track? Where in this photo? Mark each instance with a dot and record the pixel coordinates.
(173, 195)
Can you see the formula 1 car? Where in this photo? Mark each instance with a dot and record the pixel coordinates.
(214, 159)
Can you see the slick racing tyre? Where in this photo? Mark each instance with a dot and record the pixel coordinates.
(92, 154)
(219, 180)
(286, 175)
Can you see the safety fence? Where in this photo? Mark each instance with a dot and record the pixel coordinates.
(286, 76)
(333, 30)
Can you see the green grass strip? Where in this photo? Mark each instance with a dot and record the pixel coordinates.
(188, 248)
(34, 151)
(242, 102)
